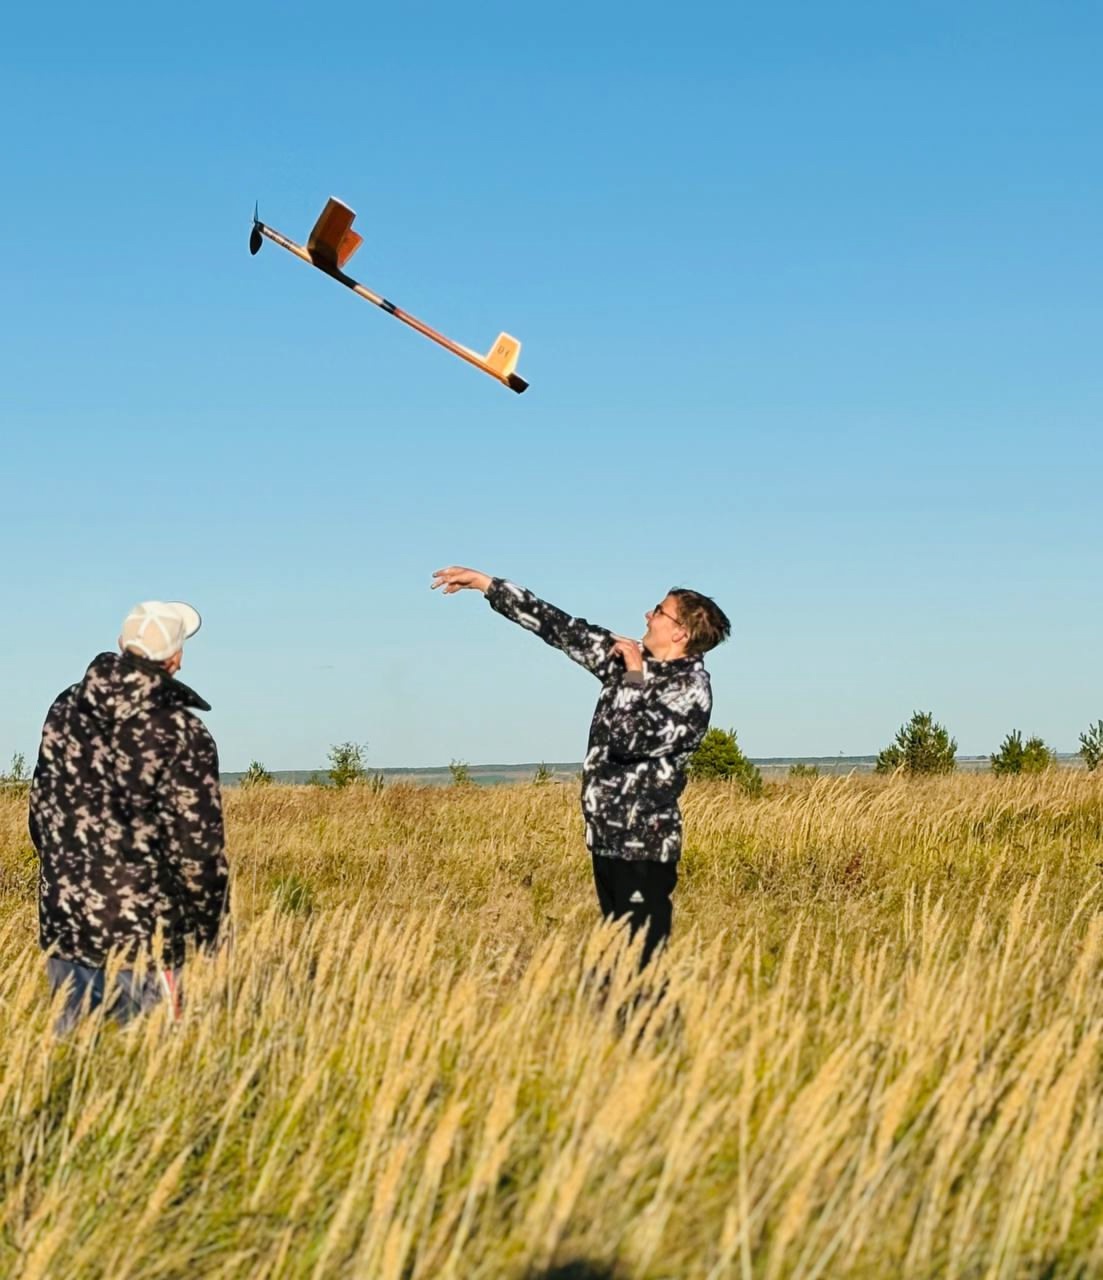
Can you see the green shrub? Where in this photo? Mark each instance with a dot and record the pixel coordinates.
(16, 778)
(346, 764)
(256, 775)
(461, 773)
(1091, 746)
(720, 756)
(1015, 756)
(921, 746)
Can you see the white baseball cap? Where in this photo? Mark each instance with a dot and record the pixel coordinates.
(158, 630)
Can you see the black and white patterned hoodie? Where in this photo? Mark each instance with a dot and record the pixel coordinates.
(126, 815)
(645, 728)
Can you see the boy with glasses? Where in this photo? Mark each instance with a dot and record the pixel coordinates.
(651, 714)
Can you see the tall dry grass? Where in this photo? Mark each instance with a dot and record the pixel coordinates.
(877, 1050)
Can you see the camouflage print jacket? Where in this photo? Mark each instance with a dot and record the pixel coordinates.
(126, 815)
(644, 730)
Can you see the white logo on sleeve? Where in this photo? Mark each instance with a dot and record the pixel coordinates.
(636, 897)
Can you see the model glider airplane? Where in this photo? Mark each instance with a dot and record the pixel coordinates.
(333, 242)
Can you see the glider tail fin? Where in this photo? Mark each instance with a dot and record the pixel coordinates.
(503, 355)
(502, 361)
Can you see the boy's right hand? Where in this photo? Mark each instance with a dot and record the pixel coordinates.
(457, 578)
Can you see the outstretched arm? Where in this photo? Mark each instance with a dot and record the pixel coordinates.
(594, 648)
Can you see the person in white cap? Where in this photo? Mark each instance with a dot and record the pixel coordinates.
(126, 817)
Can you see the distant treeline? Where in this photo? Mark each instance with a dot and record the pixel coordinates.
(498, 774)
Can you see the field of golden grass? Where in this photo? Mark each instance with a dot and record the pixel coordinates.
(877, 1050)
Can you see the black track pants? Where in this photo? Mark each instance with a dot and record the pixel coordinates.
(639, 890)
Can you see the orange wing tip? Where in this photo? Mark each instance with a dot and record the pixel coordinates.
(327, 238)
(350, 242)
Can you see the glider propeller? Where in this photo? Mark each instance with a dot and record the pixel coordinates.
(329, 247)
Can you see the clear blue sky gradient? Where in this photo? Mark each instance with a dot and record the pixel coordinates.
(810, 298)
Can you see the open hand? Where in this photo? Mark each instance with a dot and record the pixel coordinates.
(630, 651)
(456, 578)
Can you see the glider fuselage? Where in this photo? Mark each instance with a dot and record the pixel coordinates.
(333, 242)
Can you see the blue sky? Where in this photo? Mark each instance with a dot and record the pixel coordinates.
(810, 304)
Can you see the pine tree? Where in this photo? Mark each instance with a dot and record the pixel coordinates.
(16, 778)
(461, 774)
(1015, 756)
(921, 746)
(1037, 757)
(346, 764)
(256, 775)
(720, 756)
(1091, 746)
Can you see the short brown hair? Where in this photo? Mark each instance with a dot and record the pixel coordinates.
(703, 618)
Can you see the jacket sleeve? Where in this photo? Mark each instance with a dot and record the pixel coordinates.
(654, 719)
(583, 643)
(191, 819)
(42, 781)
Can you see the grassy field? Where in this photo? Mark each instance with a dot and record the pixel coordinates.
(878, 1051)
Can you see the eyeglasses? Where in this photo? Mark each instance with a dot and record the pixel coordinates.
(659, 609)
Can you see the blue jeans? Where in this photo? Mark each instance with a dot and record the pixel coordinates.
(133, 993)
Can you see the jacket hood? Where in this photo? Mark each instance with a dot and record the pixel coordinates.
(118, 686)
